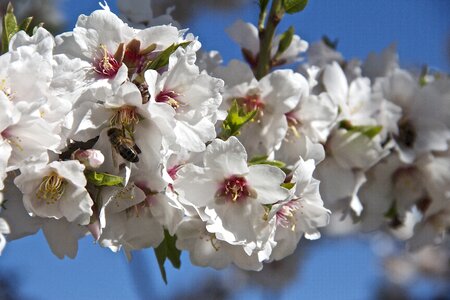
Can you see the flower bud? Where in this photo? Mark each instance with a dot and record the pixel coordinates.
(94, 228)
(91, 158)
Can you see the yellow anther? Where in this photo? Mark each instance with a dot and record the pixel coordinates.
(51, 188)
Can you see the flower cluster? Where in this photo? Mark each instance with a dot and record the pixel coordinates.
(138, 138)
(387, 156)
(116, 132)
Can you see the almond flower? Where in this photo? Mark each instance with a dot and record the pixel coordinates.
(231, 193)
(56, 190)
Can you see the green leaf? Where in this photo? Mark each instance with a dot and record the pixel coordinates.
(103, 179)
(285, 41)
(288, 185)
(369, 130)
(167, 250)
(162, 59)
(161, 258)
(294, 6)
(236, 118)
(10, 27)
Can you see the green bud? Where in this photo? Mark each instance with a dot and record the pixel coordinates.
(285, 41)
(10, 27)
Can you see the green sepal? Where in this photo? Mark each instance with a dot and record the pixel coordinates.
(288, 185)
(294, 6)
(262, 160)
(103, 179)
(285, 41)
(332, 44)
(257, 159)
(26, 24)
(10, 27)
(167, 250)
(369, 131)
(236, 118)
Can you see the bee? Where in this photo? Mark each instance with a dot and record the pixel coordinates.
(123, 145)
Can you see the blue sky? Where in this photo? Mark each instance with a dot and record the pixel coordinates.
(334, 269)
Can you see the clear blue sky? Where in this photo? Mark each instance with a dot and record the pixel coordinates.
(335, 269)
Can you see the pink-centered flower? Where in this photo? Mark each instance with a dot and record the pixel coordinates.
(231, 194)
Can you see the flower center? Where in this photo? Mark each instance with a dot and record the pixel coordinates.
(252, 101)
(169, 97)
(234, 189)
(293, 123)
(105, 64)
(51, 188)
(286, 214)
(173, 171)
(125, 116)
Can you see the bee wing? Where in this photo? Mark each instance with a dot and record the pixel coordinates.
(137, 149)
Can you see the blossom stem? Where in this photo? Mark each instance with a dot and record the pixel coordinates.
(262, 19)
(265, 38)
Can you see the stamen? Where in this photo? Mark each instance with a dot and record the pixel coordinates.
(125, 116)
(105, 64)
(293, 123)
(125, 193)
(6, 89)
(252, 101)
(169, 97)
(51, 188)
(234, 189)
(286, 214)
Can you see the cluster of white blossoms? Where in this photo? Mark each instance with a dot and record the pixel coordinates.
(387, 157)
(115, 132)
(137, 138)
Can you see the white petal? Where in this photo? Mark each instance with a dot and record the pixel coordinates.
(335, 83)
(226, 157)
(281, 90)
(71, 170)
(266, 180)
(195, 186)
(76, 205)
(245, 34)
(62, 237)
